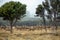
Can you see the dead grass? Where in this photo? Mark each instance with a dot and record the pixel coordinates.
(30, 35)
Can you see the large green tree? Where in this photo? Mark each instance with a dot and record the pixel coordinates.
(12, 11)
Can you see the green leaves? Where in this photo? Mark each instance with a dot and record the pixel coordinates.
(12, 10)
(39, 10)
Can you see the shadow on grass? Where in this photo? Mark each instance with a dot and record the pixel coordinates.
(18, 35)
(1, 39)
(54, 34)
(4, 34)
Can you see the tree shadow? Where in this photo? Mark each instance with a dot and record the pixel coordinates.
(54, 34)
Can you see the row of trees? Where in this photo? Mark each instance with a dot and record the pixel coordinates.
(12, 11)
(53, 9)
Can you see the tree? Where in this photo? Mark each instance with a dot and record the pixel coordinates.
(53, 8)
(46, 5)
(40, 11)
(12, 11)
(55, 4)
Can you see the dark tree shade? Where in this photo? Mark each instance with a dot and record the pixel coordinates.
(39, 10)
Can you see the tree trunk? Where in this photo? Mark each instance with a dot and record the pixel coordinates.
(50, 23)
(44, 22)
(15, 23)
(11, 27)
(55, 21)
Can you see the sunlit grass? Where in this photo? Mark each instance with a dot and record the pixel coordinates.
(30, 35)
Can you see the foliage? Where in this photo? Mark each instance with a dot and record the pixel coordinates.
(39, 10)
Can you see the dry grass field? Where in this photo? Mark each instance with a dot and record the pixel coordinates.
(26, 34)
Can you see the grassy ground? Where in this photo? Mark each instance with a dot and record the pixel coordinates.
(29, 34)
